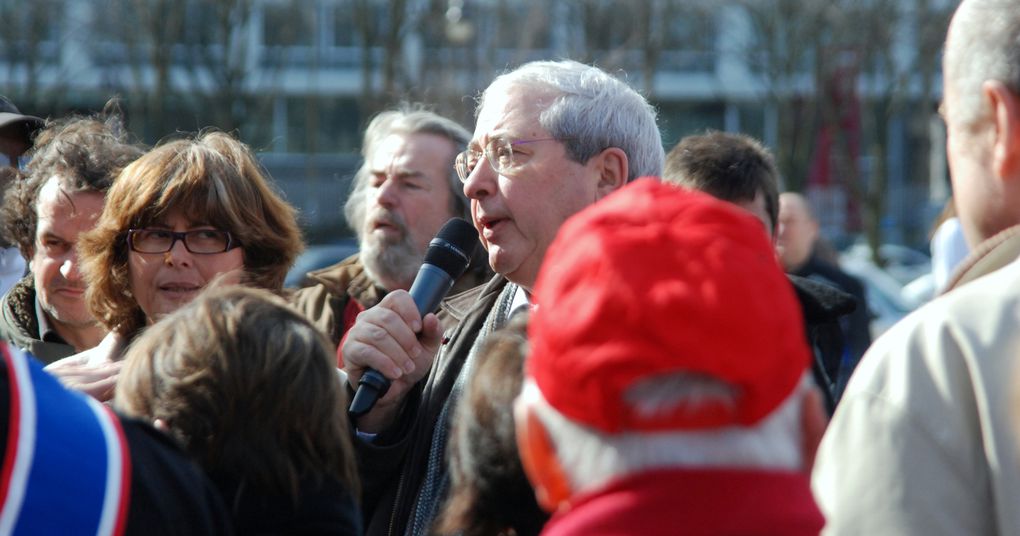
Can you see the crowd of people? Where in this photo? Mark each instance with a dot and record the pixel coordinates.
(645, 342)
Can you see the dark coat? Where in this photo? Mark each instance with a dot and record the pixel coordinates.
(854, 326)
(20, 327)
(393, 466)
(326, 507)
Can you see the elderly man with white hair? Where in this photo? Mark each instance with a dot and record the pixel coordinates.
(550, 139)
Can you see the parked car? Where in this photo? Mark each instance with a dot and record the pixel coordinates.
(318, 256)
(903, 263)
(886, 301)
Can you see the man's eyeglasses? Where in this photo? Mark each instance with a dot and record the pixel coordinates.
(498, 152)
(202, 241)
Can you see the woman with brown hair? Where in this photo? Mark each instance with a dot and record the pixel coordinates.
(186, 213)
(248, 388)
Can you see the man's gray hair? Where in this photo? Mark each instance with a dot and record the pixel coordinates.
(985, 46)
(405, 120)
(590, 458)
(593, 112)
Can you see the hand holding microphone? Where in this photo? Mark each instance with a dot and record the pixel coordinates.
(446, 259)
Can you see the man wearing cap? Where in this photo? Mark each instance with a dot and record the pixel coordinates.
(923, 442)
(402, 194)
(550, 139)
(737, 168)
(667, 387)
(73, 164)
(16, 132)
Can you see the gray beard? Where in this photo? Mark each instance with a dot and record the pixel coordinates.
(391, 266)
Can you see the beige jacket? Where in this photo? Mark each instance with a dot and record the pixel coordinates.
(923, 441)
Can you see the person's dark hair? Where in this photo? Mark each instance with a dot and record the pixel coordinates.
(248, 387)
(728, 166)
(490, 491)
(84, 153)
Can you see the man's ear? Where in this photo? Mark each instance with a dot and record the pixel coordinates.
(812, 423)
(538, 456)
(1005, 107)
(613, 168)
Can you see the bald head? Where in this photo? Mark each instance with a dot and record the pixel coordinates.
(981, 45)
(981, 107)
(798, 231)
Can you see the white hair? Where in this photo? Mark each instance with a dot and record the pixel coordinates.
(984, 45)
(405, 120)
(593, 112)
(590, 458)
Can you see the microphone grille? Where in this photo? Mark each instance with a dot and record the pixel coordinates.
(451, 250)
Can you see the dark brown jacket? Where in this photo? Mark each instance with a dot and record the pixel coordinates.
(393, 466)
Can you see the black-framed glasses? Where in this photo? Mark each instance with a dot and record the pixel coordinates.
(498, 152)
(200, 241)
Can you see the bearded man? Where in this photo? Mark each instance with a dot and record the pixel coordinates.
(404, 192)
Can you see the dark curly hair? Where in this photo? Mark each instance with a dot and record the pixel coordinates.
(84, 153)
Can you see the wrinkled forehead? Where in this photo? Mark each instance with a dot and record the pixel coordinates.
(513, 109)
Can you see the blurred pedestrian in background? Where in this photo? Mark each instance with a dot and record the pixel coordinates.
(796, 245)
(16, 134)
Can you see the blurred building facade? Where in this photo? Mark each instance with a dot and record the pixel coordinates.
(844, 91)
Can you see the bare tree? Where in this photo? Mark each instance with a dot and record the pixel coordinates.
(29, 43)
(839, 72)
(192, 58)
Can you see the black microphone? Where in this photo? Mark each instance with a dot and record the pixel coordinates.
(446, 259)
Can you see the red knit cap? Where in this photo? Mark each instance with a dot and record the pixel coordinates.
(654, 280)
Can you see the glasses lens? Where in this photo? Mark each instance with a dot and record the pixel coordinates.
(151, 240)
(206, 241)
(501, 154)
(466, 163)
(461, 165)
